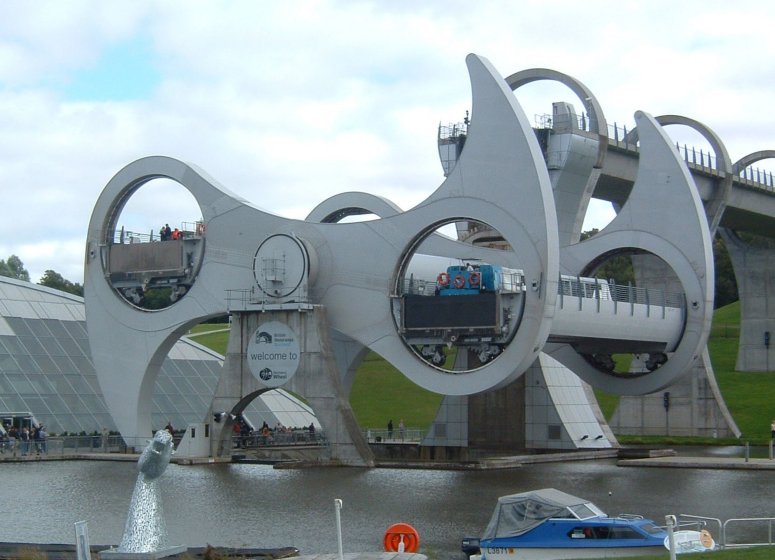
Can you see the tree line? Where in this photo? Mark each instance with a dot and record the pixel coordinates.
(619, 268)
(13, 267)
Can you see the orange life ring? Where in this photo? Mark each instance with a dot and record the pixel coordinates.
(474, 278)
(401, 532)
(460, 281)
(443, 279)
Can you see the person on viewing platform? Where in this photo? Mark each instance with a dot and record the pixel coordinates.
(40, 439)
(13, 438)
(244, 431)
(25, 439)
(235, 430)
(390, 428)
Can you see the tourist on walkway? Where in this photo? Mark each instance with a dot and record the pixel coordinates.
(40, 439)
(25, 437)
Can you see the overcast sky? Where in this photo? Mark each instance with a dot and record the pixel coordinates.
(288, 103)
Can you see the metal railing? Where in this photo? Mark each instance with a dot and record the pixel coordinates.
(188, 230)
(60, 446)
(751, 525)
(740, 532)
(76, 445)
(383, 435)
(298, 437)
(762, 179)
(592, 288)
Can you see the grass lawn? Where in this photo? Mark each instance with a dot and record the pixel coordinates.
(761, 553)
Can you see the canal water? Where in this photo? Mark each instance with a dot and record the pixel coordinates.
(241, 505)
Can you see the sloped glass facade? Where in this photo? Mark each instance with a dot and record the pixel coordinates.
(46, 370)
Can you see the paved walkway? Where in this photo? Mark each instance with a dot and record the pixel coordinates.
(366, 556)
(659, 458)
(700, 463)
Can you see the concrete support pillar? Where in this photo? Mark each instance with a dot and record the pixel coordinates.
(450, 427)
(755, 274)
(561, 411)
(316, 380)
(695, 406)
(547, 408)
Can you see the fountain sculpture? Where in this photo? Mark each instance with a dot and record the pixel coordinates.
(145, 532)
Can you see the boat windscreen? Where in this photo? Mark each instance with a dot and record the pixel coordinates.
(652, 529)
(586, 511)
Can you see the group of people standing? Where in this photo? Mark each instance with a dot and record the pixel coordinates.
(166, 234)
(28, 439)
(401, 429)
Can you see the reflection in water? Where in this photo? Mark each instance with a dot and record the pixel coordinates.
(257, 506)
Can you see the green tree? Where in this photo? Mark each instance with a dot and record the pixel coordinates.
(14, 268)
(156, 298)
(726, 284)
(620, 267)
(617, 268)
(54, 280)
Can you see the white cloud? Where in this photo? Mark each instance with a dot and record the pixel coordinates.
(321, 97)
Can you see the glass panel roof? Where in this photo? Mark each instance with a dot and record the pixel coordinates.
(46, 370)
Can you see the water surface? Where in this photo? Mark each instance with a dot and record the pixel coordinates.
(257, 506)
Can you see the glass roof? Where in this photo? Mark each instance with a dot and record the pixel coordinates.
(46, 370)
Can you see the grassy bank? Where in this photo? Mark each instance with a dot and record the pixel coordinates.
(381, 392)
(763, 553)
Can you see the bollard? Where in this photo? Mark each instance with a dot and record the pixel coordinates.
(338, 507)
(671, 522)
(747, 451)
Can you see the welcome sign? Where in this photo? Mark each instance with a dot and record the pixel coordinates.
(273, 353)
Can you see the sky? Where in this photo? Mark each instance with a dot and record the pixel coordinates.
(288, 103)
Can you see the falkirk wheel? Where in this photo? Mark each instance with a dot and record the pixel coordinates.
(309, 298)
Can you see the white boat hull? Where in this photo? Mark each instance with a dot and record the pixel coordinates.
(562, 553)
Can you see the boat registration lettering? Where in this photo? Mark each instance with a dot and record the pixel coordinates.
(500, 550)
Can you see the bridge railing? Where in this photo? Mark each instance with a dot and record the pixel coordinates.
(383, 435)
(188, 230)
(580, 289)
(697, 158)
(299, 436)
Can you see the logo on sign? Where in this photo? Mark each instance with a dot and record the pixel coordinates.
(273, 353)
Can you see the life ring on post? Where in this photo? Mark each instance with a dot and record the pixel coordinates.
(460, 281)
(401, 537)
(474, 278)
(443, 279)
